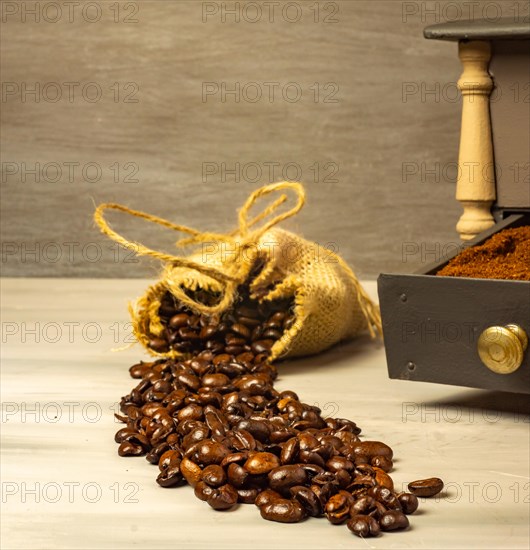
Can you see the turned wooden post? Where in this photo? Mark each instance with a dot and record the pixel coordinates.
(475, 187)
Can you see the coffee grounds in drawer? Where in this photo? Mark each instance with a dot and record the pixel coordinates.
(506, 255)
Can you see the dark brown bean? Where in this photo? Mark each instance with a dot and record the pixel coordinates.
(170, 477)
(337, 508)
(158, 344)
(281, 479)
(393, 520)
(247, 495)
(241, 329)
(223, 498)
(203, 491)
(426, 487)
(364, 526)
(213, 475)
(237, 475)
(290, 451)
(409, 502)
(382, 462)
(178, 320)
(262, 346)
(307, 498)
(283, 511)
(267, 496)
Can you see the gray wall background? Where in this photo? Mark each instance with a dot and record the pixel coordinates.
(384, 148)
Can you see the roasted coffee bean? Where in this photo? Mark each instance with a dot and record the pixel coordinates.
(179, 320)
(241, 329)
(170, 477)
(238, 458)
(307, 498)
(154, 455)
(364, 526)
(283, 511)
(409, 502)
(168, 459)
(191, 471)
(385, 496)
(223, 498)
(213, 475)
(138, 371)
(365, 505)
(203, 491)
(158, 344)
(383, 479)
(211, 452)
(128, 448)
(260, 430)
(371, 449)
(382, 462)
(337, 463)
(123, 434)
(271, 333)
(281, 479)
(290, 451)
(266, 497)
(337, 508)
(247, 496)
(261, 463)
(426, 487)
(262, 346)
(393, 520)
(208, 332)
(237, 475)
(215, 380)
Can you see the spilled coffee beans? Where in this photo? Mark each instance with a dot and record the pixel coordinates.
(215, 422)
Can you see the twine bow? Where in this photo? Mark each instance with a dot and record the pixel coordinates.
(241, 239)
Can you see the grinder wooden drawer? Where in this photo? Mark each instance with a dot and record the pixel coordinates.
(432, 325)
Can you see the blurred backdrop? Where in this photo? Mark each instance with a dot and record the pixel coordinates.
(181, 108)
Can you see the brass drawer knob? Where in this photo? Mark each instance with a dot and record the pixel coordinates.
(501, 349)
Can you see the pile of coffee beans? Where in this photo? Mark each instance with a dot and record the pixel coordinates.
(215, 422)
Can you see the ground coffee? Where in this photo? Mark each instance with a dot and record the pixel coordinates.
(506, 255)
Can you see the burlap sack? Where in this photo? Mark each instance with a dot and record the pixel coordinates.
(329, 303)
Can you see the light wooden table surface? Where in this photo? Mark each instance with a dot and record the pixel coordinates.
(64, 486)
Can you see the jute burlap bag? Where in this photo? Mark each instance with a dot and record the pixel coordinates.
(329, 303)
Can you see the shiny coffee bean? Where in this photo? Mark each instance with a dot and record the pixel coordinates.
(266, 497)
(283, 511)
(409, 502)
(382, 462)
(307, 498)
(247, 496)
(223, 498)
(191, 471)
(281, 479)
(383, 479)
(213, 475)
(364, 526)
(203, 491)
(170, 477)
(393, 520)
(261, 463)
(426, 487)
(337, 508)
(237, 475)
